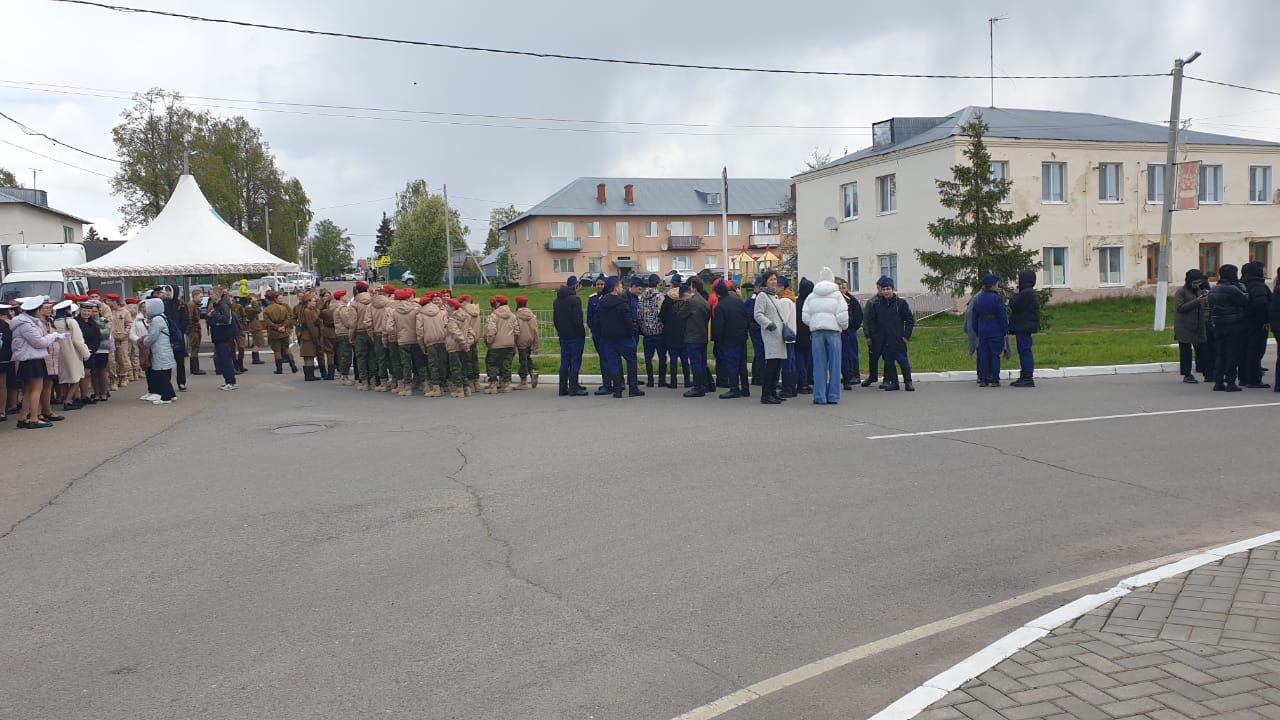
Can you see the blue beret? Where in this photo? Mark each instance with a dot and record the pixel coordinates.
(784, 281)
(636, 281)
(675, 279)
(885, 281)
(990, 281)
(610, 283)
(572, 281)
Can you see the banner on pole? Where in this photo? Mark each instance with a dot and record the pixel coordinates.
(1187, 186)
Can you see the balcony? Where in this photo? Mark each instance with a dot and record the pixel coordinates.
(564, 243)
(684, 242)
(765, 241)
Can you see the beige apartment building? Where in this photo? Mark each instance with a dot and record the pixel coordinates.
(620, 226)
(1097, 183)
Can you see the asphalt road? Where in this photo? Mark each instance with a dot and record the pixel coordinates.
(527, 556)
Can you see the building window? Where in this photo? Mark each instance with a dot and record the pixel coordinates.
(1153, 263)
(763, 226)
(562, 265)
(887, 190)
(713, 198)
(889, 266)
(735, 227)
(1053, 176)
(622, 233)
(530, 269)
(593, 266)
(1111, 266)
(1000, 171)
(68, 235)
(1210, 259)
(682, 227)
(562, 229)
(711, 227)
(653, 264)
(1155, 183)
(789, 226)
(651, 228)
(1260, 184)
(849, 198)
(1055, 267)
(1260, 251)
(710, 262)
(1111, 182)
(526, 233)
(851, 273)
(593, 228)
(682, 263)
(1211, 183)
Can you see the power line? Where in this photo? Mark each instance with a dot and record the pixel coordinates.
(588, 58)
(28, 130)
(61, 162)
(1232, 85)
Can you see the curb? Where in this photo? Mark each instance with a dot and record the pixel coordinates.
(937, 687)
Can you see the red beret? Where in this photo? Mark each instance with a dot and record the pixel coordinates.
(70, 296)
(522, 300)
(446, 292)
(424, 299)
(388, 289)
(362, 285)
(339, 293)
(454, 304)
(132, 301)
(93, 291)
(466, 298)
(113, 296)
(404, 294)
(429, 295)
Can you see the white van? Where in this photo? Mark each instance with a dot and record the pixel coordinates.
(37, 270)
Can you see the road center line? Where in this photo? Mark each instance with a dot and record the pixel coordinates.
(1066, 421)
(768, 686)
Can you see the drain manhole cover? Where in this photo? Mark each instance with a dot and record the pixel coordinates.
(299, 429)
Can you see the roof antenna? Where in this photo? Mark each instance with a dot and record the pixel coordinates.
(991, 52)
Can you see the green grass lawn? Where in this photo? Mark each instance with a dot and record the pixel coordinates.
(1103, 332)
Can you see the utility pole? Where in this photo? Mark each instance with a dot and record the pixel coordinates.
(448, 237)
(267, 224)
(991, 53)
(33, 177)
(724, 218)
(1164, 262)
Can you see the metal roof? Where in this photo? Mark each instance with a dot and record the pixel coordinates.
(1023, 124)
(7, 195)
(663, 196)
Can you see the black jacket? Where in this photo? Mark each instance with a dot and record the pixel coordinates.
(695, 311)
(614, 318)
(855, 315)
(729, 322)
(804, 341)
(890, 323)
(91, 332)
(1274, 317)
(1255, 285)
(672, 325)
(1024, 307)
(1227, 303)
(6, 342)
(566, 314)
(223, 325)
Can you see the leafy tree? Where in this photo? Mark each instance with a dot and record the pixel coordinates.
(92, 235)
(386, 233)
(419, 240)
(982, 238)
(497, 218)
(7, 179)
(508, 272)
(332, 250)
(151, 142)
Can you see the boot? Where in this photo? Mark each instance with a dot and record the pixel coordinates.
(279, 368)
(309, 373)
(475, 387)
(504, 386)
(906, 381)
(257, 359)
(533, 378)
(575, 388)
(746, 390)
(406, 389)
(616, 383)
(524, 385)
(1028, 381)
(788, 385)
(434, 390)
(344, 381)
(871, 380)
(649, 372)
(732, 394)
(606, 385)
(195, 366)
(364, 386)
(662, 372)
(292, 365)
(383, 386)
(564, 384)
(634, 390)
(467, 390)
(459, 391)
(491, 388)
(321, 372)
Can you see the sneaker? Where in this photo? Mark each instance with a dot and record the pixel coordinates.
(158, 401)
(149, 397)
(1190, 379)
(226, 386)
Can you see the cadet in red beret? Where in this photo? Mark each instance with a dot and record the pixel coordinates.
(457, 345)
(431, 332)
(528, 342)
(113, 296)
(404, 343)
(500, 334)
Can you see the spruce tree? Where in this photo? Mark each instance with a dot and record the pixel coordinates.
(386, 234)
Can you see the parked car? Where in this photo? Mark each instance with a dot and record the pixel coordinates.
(408, 278)
(279, 283)
(589, 278)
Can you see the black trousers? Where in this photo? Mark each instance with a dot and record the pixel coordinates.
(1229, 342)
(769, 385)
(1255, 346)
(1184, 358)
(160, 382)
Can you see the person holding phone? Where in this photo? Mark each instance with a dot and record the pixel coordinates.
(1191, 325)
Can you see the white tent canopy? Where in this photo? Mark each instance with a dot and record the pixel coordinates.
(188, 237)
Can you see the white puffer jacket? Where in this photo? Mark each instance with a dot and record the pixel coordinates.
(826, 308)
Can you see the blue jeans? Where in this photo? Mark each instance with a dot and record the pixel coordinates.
(826, 350)
(733, 359)
(804, 366)
(849, 359)
(222, 353)
(697, 355)
(893, 361)
(571, 356)
(1025, 357)
(627, 351)
(610, 357)
(989, 349)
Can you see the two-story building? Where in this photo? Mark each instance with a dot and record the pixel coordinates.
(1096, 182)
(26, 218)
(619, 226)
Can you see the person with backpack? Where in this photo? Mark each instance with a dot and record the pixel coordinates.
(159, 343)
(224, 328)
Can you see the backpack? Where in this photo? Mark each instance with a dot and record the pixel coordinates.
(176, 339)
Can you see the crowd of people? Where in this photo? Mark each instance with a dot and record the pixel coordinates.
(1222, 329)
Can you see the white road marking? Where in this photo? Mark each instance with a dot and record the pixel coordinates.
(768, 686)
(1066, 421)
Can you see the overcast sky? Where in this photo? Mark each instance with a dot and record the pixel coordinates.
(360, 164)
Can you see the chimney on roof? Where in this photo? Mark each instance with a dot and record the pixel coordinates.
(793, 194)
(629, 194)
(600, 195)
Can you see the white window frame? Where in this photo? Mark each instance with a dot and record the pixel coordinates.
(710, 228)
(562, 228)
(887, 195)
(852, 268)
(1003, 174)
(622, 233)
(682, 227)
(563, 265)
(789, 226)
(1048, 266)
(1155, 186)
(653, 264)
(849, 201)
(1047, 178)
(594, 265)
(526, 233)
(1213, 172)
(711, 262)
(1110, 183)
(682, 263)
(68, 235)
(763, 226)
(1111, 267)
(735, 227)
(593, 228)
(891, 268)
(651, 228)
(1260, 196)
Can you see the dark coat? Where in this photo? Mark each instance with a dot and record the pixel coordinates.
(593, 314)
(1255, 285)
(224, 326)
(614, 318)
(890, 323)
(1228, 302)
(804, 341)
(91, 332)
(672, 325)
(566, 314)
(729, 322)
(990, 314)
(855, 315)
(1274, 316)
(753, 327)
(1190, 316)
(1024, 307)
(6, 342)
(696, 312)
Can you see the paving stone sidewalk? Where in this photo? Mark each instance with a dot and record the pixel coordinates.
(1204, 644)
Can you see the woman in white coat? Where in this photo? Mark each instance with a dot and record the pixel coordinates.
(772, 314)
(72, 353)
(826, 313)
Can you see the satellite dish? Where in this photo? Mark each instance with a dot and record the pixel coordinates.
(830, 223)
(664, 246)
